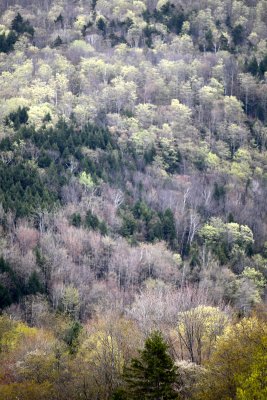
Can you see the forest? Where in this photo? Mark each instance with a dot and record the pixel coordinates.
(133, 186)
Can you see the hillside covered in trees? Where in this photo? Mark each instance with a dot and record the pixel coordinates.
(133, 186)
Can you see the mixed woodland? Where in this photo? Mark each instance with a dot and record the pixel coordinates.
(133, 186)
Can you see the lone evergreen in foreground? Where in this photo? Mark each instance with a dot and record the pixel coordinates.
(153, 374)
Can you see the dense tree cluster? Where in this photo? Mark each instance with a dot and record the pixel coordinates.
(63, 360)
(18, 28)
(133, 215)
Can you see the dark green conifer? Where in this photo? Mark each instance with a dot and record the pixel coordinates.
(252, 66)
(34, 284)
(57, 42)
(153, 374)
(168, 226)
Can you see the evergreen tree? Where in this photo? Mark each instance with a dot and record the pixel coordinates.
(168, 226)
(18, 117)
(34, 284)
(71, 337)
(56, 43)
(252, 66)
(91, 220)
(102, 25)
(153, 374)
(17, 23)
(76, 220)
(20, 26)
(263, 67)
(238, 35)
(7, 42)
(60, 20)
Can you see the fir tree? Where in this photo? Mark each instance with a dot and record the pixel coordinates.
(168, 226)
(34, 284)
(102, 25)
(56, 43)
(252, 66)
(20, 26)
(153, 374)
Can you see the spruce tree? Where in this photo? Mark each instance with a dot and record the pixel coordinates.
(168, 226)
(153, 374)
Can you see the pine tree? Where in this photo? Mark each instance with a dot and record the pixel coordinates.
(34, 284)
(17, 23)
(168, 226)
(252, 66)
(153, 374)
(20, 26)
(102, 25)
(57, 42)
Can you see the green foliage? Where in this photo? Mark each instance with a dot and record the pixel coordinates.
(76, 220)
(57, 42)
(171, 156)
(60, 20)
(256, 278)
(86, 180)
(20, 26)
(256, 68)
(22, 189)
(5, 297)
(7, 41)
(228, 239)
(153, 375)
(91, 221)
(238, 35)
(252, 66)
(103, 229)
(262, 67)
(101, 24)
(182, 131)
(254, 385)
(143, 222)
(71, 337)
(199, 329)
(119, 394)
(129, 225)
(168, 226)
(18, 118)
(34, 285)
(237, 368)
(14, 287)
(70, 302)
(219, 192)
(168, 15)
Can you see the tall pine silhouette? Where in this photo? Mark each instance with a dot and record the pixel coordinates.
(153, 374)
